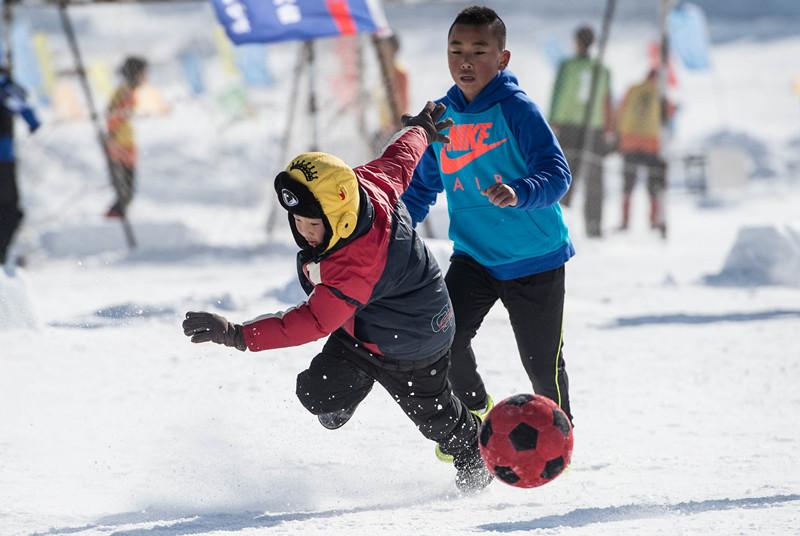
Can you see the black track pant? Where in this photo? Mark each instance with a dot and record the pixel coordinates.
(124, 181)
(656, 169)
(342, 375)
(10, 213)
(535, 307)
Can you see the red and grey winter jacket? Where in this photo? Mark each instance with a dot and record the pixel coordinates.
(380, 288)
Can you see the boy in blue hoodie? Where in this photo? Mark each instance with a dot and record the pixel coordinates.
(503, 173)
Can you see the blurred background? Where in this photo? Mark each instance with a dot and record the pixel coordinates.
(215, 121)
(681, 310)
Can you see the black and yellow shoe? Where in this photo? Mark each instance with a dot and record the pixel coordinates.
(336, 419)
(481, 414)
(472, 475)
(484, 411)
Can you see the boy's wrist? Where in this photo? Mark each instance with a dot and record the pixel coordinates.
(522, 192)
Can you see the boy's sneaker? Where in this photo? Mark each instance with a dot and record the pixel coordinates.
(484, 411)
(441, 455)
(114, 212)
(336, 419)
(471, 472)
(481, 414)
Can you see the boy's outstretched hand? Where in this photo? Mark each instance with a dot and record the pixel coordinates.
(427, 119)
(204, 327)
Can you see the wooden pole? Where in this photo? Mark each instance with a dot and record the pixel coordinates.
(313, 107)
(586, 148)
(287, 133)
(8, 19)
(387, 78)
(663, 67)
(666, 5)
(380, 45)
(87, 90)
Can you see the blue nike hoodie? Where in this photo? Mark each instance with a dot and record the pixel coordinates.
(500, 136)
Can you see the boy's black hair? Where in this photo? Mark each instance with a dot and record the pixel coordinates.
(482, 16)
(585, 36)
(131, 68)
(394, 42)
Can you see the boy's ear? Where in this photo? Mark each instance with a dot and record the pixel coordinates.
(505, 57)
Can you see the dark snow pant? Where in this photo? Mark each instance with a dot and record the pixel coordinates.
(10, 212)
(342, 375)
(123, 180)
(656, 172)
(535, 307)
(569, 137)
(656, 169)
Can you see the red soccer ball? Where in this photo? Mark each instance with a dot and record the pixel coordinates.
(526, 440)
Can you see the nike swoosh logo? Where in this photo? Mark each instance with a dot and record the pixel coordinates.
(451, 165)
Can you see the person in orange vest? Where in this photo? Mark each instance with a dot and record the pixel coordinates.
(639, 120)
(398, 79)
(120, 141)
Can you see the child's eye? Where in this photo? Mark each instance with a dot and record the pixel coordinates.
(455, 52)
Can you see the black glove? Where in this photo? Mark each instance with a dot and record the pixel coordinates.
(204, 327)
(427, 119)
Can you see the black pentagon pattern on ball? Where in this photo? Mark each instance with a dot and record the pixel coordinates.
(561, 422)
(553, 468)
(486, 432)
(524, 437)
(506, 474)
(519, 400)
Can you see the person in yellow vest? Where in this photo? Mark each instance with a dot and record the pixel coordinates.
(639, 120)
(120, 141)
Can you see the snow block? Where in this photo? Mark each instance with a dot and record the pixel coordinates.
(94, 239)
(728, 169)
(762, 255)
(16, 306)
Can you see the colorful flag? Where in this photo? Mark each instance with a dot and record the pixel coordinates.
(192, 65)
(26, 66)
(688, 33)
(101, 78)
(44, 59)
(654, 53)
(225, 51)
(269, 21)
(252, 62)
(554, 51)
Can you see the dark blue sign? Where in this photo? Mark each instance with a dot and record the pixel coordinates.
(268, 21)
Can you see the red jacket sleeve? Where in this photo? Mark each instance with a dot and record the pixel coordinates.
(395, 167)
(322, 314)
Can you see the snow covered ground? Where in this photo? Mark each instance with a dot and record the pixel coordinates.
(683, 354)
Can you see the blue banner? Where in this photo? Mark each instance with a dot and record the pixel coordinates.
(269, 21)
(192, 65)
(252, 62)
(688, 33)
(26, 65)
